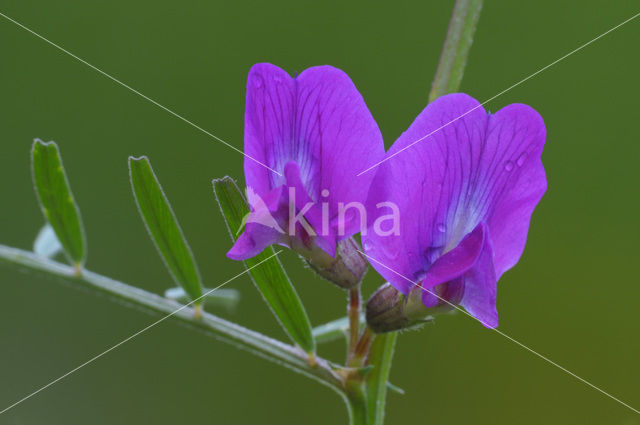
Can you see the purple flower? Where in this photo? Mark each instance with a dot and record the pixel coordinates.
(316, 133)
(465, 195)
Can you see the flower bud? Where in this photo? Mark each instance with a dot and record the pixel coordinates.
(390, 310)
(345, 270)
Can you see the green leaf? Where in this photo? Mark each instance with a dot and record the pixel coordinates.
(56, 200)
(163, 227)
(227, 298)
(47, 244)
(270, 278)
(336, 329)
(396, 389)
(380, 356)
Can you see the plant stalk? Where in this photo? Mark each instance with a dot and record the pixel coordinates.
(453, 58)
(229, 332)
(377, 381)
(356, 399)
(363, 346)
(353, 312)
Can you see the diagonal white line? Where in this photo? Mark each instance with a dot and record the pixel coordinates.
(531, 350)
(175, 114)
(162, 319)
(502, 92)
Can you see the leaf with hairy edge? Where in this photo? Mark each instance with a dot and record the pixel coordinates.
(380, 357)
(270, 278)
(163, 227)
(56, 200)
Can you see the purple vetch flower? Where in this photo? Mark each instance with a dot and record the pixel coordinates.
(465, 195)
(316, 131)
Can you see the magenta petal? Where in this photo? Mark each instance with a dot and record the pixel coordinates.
(518, 131)
(480, 288)
(471, 168)
(255, 238)
(267, 125)
(453, 264)
(457, 261)
(425, 181)
(327, 243)
(293, 180)
(476, 287)
(323, 233)
(334, 119)
(269, 201)
(318, 121)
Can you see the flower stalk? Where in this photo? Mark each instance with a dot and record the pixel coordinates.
(453, 58)
(354, 321)
(362, 348)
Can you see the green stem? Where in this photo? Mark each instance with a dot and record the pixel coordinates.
(377, 381)
(241, 337)
(356, 399)
(453, 58)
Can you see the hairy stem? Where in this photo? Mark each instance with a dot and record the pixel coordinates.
(362, 348)
(357, 404)
(241, 337)
(453, 58)
(353, 312)
(380, 357)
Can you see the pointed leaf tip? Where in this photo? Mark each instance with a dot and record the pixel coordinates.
(270, 277)
(163, 227)
(56, 200)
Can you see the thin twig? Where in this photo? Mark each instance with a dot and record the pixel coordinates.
(229, 332)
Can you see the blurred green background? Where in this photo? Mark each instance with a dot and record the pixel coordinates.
(573, 297)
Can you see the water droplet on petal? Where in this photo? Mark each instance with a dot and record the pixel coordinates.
(508, 166)
(521, 159)
(367, 246)
(257, 82)
(441, 228)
